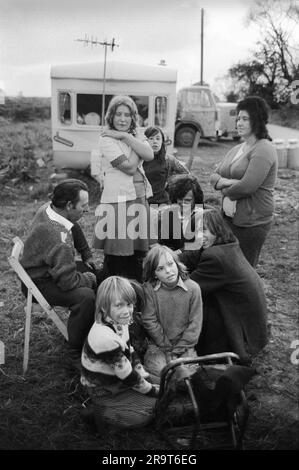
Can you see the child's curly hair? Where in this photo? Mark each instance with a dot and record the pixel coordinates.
(180, 185)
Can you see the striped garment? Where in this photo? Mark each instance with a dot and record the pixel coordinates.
(110, 363)
(129, 409)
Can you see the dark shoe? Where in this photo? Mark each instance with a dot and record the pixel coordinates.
(75, 358)
(75, 353)
(246, 361)
(87, 414)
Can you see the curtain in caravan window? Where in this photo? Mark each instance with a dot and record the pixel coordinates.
(160, 111)
(64, 107)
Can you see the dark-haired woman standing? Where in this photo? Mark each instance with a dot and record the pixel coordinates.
(246, 179)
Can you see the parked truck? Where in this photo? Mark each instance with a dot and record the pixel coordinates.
(196, 112)
(227, 120)
(77, 100)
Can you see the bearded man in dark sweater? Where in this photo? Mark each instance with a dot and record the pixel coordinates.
(49, 259)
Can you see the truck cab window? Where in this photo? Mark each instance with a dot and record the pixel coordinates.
(160, 111)
(142, 106)
(64, 107)
(198, 99)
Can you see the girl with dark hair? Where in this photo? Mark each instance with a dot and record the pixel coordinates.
(126, 189)
(180, 224)
(162, 167)
(185, 187)
(172, 314)
(234, 303)
(246, 178)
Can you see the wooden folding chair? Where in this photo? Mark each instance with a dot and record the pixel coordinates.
(33, 291)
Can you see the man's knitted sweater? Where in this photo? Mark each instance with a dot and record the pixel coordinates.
(49, 253)
(79, 240)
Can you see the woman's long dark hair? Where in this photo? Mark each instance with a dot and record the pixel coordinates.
(257, 109)
(213, 221)
(151, 131)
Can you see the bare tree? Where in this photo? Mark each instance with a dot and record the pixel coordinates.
(275, 61)
(278, 21)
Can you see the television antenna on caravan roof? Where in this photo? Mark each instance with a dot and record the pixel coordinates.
(94, 42)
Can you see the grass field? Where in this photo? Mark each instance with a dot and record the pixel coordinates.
(43, 410)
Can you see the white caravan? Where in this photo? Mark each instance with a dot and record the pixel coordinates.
(77, 99)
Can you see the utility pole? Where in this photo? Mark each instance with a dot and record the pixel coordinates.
(201, 49)
(95, 42)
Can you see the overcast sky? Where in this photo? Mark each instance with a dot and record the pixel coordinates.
(37, 33)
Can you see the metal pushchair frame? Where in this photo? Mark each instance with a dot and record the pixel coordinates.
(232, 427)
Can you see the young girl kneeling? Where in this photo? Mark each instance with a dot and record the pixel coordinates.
(111, 370)
(172, 315)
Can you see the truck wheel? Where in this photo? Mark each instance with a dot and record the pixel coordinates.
(185, 136)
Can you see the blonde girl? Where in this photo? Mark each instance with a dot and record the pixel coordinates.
(111, 370)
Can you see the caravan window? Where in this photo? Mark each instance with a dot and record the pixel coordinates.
(160, 111)
(64, 107)
(89, 108)
(142, 106)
